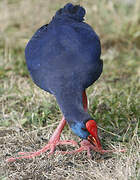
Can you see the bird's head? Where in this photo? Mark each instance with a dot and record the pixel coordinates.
(91, 127)
(88, 131)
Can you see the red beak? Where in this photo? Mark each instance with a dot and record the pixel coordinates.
(93, 137)
(95, 141)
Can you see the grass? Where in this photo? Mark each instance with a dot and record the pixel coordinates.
(29, 115)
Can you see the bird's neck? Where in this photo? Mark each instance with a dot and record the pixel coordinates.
(72, 106)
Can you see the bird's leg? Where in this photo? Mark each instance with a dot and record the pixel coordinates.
(85, 102)
(53, 142)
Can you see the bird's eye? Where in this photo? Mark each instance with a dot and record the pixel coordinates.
(84, 129)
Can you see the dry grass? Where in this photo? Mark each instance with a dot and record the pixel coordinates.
(28, 115)
(116, 167)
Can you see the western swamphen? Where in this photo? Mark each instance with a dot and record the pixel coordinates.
(63, 58)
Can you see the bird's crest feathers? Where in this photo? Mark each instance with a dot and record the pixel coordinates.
(75, 12)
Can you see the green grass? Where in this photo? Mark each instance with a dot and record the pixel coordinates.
(114, 100)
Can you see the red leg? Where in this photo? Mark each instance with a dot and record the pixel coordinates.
(85, 102)
(53, 142)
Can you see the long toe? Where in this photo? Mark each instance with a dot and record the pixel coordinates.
(29, 155)
(50, 146)
(68, 142)
(87, 146)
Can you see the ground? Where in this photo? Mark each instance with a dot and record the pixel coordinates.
(29, 115)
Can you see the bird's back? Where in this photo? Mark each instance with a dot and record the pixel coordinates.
(64, 54)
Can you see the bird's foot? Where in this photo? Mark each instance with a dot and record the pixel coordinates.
(53, 142)
(50, 146)
(87, 146)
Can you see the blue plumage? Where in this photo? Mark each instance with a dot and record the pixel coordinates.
(63, 58)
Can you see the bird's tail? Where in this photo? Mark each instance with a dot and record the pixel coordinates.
(75, 12)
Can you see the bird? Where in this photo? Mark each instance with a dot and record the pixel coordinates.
(63, 58)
